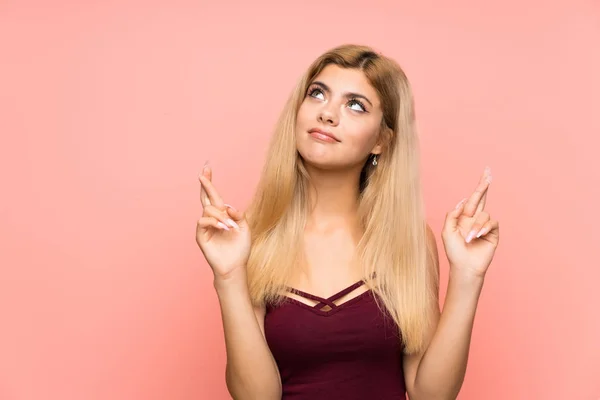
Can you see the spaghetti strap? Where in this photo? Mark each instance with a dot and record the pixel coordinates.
(344, 292)
(321, 301)
(330, 300)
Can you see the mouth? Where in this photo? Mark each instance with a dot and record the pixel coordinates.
(322, 135)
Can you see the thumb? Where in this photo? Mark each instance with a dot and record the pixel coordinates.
(451, 223)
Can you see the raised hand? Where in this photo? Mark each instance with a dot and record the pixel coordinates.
(470, 235)
(222, 232)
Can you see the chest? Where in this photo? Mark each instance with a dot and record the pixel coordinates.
(323, 251)
(357, 328)
(329, 263)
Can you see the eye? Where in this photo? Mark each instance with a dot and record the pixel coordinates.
(360, 104)
(312, 92)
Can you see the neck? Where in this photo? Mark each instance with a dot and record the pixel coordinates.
(333, 196)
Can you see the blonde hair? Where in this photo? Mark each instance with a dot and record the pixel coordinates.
(391, 211)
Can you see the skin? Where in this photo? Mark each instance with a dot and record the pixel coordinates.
(331, 235)
(332, 231)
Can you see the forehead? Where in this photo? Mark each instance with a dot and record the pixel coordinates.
(342, 80)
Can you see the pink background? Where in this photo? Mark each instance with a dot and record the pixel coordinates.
(108, 110)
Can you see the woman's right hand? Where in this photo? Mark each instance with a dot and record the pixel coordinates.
(222, 232)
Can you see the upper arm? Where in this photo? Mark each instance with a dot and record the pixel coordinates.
(411, 361)
(260, 312)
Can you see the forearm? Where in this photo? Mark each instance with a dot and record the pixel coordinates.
(251, 369)
(442, 369)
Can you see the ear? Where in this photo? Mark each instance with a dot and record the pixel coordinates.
(377, 149)
(382, 141)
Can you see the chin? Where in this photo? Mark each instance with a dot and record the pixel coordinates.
(319, 155)
(322, 162)
(317, 160)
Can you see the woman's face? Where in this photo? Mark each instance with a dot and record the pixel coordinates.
(339, 120)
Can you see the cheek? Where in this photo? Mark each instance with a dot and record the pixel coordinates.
(306, 113)
(363, 138)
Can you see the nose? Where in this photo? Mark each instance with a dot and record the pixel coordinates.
(327, 115)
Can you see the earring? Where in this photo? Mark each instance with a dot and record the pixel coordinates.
(375, 159)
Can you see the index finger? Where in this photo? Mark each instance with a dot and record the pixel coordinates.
(476, 202)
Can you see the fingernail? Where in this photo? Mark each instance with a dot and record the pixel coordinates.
(481, 232)
(470, 236)
(460, 203)
(488, 171)
(222, 226)
(230, 206)
(233, 224)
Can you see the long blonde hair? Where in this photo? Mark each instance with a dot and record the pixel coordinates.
(394, 243)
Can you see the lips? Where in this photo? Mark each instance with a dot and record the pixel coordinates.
(323, 135)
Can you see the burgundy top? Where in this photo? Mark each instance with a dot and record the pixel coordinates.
(352, 351)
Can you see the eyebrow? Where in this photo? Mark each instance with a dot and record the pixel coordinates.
(347, 94)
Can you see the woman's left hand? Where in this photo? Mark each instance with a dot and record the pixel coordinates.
(470, 235)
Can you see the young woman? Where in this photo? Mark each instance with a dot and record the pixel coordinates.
(329, 287)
